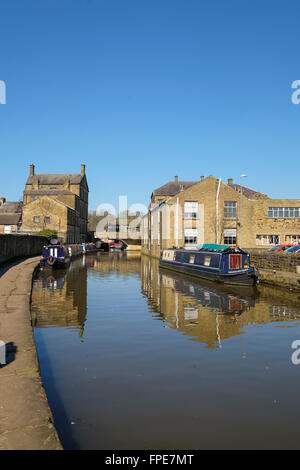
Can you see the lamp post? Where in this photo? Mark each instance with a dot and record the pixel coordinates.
(241, 202)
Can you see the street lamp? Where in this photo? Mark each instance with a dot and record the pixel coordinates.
(241, 177)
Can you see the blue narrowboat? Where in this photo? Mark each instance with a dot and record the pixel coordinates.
(221, 263)
(59, 256)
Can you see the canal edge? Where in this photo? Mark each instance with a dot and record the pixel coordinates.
(26, 420)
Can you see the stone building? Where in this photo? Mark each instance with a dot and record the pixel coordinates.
(210, 211)
(56, 202)
(10, 216)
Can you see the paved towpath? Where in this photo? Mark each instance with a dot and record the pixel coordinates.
(26, 421)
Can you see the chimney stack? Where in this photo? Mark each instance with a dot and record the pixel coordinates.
(2, 201)
(176, 179)
(202, 177)
(31, 173)
(82, 169)
(230, 181)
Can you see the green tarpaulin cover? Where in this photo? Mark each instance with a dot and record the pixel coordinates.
(213, 247)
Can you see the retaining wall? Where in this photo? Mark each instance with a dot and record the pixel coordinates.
(264, 259)
(12, 246)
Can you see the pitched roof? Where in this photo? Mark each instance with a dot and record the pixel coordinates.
(172, 188)
(247, 192)
(10, 219)
(11, 208)
(49, 192)
(55, 178)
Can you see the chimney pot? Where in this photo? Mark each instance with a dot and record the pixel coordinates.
(230, 180)
(31, 169)
(2, 201)
(83, 169)
(202, 177)
(176, 179)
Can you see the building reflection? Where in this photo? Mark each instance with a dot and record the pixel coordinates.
(203, 311)
(59, 297)
(208, 312)
(117, 262)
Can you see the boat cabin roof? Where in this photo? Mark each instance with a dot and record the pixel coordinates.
(214, 248)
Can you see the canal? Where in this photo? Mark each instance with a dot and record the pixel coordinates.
(133, 357)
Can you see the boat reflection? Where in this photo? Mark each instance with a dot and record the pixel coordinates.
(204, 311)
(59, 298)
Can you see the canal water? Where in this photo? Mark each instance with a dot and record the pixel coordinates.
(136, 357)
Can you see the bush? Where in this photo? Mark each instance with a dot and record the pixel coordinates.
(48, 234)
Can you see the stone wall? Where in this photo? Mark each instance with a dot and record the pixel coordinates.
(264, 259)
(12, 246)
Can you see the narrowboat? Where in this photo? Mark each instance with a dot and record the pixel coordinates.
(59, 256)
(220, 263)
(117, 244)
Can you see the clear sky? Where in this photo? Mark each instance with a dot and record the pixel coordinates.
(142, 90)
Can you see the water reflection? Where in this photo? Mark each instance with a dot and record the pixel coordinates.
(210, 312)
(226, 381)
(59, 298)
(202, 310)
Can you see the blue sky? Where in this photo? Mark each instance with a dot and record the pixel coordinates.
(142, 90)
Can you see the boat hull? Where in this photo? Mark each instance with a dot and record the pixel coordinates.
(246, 278)
(55, 263)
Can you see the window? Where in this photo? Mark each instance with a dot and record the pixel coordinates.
(207, 260)
(33, 198)
(267, 239)
(192, 259)
(190, 209)
(284, 212)
(7, 229)
(293, 239)
(230, 209)
(190, 236)
(36, 219)
(230, 236)
(47, 220)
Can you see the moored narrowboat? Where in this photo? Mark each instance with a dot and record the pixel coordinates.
(117, 244)
(59, 256)
(220, 263)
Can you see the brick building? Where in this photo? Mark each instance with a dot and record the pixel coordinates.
(211, 211)
(56, 202)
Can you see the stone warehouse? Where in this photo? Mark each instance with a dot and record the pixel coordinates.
(56, 202)
(189, 213)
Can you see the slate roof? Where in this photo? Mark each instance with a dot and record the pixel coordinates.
(11, 208)
(10, 219)
(247, 192)
(55, 178)
(49, 192)
(172, 188)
